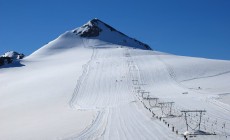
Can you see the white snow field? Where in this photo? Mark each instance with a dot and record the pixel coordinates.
(84, 88)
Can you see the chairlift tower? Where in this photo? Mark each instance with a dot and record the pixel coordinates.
(137, 88)
(132, 68)
(135, 82)
(142, 94)
(153, 99)
(130, 62)
(127, 55)
(200, 112)
(166, 104)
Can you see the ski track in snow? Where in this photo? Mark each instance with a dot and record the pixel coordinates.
(119, 115)
(111, 98)
(207, 102)
(80, 81)
(210, 100)
(219, 107)
(96, 129)
(104, 91)
(82, 78)
(114, 97)
(218, 74)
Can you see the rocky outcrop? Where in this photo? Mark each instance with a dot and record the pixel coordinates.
(99, 30)
(10, 57)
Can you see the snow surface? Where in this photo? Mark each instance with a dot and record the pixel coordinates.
(81, 88)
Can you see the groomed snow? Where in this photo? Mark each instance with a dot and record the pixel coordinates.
(75, 88)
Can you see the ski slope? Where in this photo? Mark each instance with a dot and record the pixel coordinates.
(80, 88)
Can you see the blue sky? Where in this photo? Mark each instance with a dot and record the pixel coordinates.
(199, 28)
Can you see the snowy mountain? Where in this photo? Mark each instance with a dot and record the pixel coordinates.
(99, 30)
(87, 84)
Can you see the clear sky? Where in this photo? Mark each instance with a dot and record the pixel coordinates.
(199, 28)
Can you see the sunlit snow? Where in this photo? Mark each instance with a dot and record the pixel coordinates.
(85, 88)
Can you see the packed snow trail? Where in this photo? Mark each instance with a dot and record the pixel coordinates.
(81, 79)
(103, 102)
(97, 128)
(156, 79)
(119, 70)
(110, 88)
(120, 114)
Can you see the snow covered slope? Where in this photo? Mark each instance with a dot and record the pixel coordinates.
(86, 88)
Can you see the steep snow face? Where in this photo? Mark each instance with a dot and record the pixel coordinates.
(99, 30)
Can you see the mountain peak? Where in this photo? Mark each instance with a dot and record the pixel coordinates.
(98, 29)
(93, 28)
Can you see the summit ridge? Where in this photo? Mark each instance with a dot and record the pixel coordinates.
(98, 29)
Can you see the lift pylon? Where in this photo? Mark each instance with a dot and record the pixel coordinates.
(200, 112)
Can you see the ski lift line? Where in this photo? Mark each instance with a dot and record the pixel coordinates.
(194, 127)
(178, 111)
(166, 105)
(210, 125)
(163, 103)
(140, 90)
(137, 87)
(156, 101)
(193, 110)
(153, 98)
(133, 69)
(142, 93)
(139, 94)
(145, 98)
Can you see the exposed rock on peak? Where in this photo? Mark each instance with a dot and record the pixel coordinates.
(97, 29)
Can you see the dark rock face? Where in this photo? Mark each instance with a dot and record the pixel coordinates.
(10, 57)
(92, 29)
(21, 56)
(1, 61)
(143, 44)
(14, 55)
(108, 26)
(5, 60)
(92, 32)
